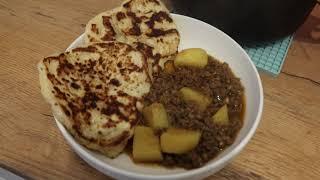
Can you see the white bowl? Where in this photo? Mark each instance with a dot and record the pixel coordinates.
(194, 33)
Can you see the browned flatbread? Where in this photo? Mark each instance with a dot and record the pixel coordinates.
(95, 92)
(145, 24)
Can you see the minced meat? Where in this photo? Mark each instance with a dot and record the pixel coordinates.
(215, 80)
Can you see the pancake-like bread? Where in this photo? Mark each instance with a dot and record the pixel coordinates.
(95, 92)
(144, 24)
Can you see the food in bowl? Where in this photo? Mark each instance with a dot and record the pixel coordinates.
(160, 135)
(96, 90)
(195, 108)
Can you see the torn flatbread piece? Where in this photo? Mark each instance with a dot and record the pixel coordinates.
(145, 24)
(96, 92)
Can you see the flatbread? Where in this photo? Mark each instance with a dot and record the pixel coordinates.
(96, 92)
(144, 24)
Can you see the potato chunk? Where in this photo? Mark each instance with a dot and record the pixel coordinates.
(193, 96)
(156, 116)
(169, 67)
(221, 116)
(193, 57)
(179, 141)
(146, 147)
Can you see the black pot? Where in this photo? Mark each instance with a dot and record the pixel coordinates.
(248, 19)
